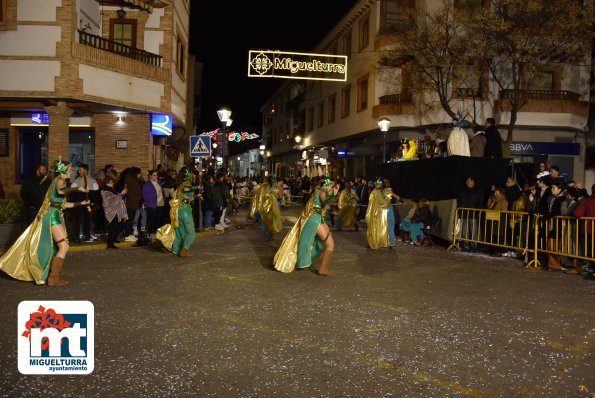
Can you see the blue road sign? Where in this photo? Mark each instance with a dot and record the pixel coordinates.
(200, 146)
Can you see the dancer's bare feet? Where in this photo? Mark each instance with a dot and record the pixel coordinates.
(324, 272)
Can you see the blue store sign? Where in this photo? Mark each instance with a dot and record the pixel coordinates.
(544, 148)
(161, 124)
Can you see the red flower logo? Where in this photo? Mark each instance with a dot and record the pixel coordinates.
(43, 319)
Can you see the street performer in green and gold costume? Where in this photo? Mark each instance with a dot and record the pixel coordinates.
(264, 207)
(179, 235)
(38, 254)
(380, 216)
(347, 209)
(309, 235)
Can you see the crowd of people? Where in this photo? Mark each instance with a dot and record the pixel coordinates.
(548, 195)
(168, 208)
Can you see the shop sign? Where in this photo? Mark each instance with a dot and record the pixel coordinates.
(40, 118)
(161, 124)
(544, 148)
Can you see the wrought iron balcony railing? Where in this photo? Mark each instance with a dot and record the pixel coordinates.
(468, 92)
(543, 94)
(394, 98)
(118, 48)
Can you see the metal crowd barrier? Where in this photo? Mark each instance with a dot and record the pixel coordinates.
(524, 233)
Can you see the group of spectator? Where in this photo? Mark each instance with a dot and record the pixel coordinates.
(548, 195)
(128, 206)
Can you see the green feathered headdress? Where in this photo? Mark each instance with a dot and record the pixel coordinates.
(60, 167)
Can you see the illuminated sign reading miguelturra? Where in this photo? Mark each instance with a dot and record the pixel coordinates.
(289, 65)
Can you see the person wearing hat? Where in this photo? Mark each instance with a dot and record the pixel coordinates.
(38, 254)
(458, 140)
(380, 216)
(411, 150)
(310, 236)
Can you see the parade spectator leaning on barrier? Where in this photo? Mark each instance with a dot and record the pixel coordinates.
(586, 208)
(471, 197)
(495, 228)
(554, 209)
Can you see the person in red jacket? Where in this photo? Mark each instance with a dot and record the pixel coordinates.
(586, 208)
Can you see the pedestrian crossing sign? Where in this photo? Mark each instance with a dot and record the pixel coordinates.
(200, 146)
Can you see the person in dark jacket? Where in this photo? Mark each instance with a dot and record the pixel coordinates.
(220, 200)
(154, 199)
(471, 197)
(586, 208)
(493, 147)
(363, 194)
(208, 201)
(512, 191)
(33, 191)
(133, 199)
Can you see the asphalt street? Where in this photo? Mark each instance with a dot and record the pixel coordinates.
(417, 322)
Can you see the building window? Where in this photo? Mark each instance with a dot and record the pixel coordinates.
(396, 16)
(347, 44)
(3, 142)
(181, 57)
(310, 118)
(123, 31)
(345, 101)
(332, 103)
(320, 114)
(364, 33)
(469, 81)
(2, 11)
(472, 7)
(543, 81)
(362, 93)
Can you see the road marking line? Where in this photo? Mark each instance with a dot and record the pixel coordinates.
(418, 376)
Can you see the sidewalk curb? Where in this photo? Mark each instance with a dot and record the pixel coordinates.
(102, 245)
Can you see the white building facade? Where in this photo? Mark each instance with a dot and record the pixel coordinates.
(337, 121)
(91, 81)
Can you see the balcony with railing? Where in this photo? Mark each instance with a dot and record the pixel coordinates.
(100, 43)
(542, 94)
(545, 101)
(394, 104)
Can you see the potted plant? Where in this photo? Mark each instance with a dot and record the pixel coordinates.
(12, 221)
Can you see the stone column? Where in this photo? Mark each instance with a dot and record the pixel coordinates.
(58, 132)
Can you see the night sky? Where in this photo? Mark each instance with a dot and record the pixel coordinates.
(222, 40)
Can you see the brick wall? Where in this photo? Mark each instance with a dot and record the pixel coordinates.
(135, 129)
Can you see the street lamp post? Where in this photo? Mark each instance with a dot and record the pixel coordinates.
(384, 124)
(224, 115)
